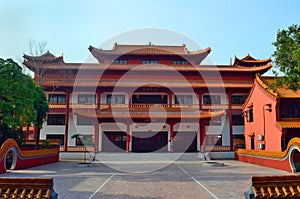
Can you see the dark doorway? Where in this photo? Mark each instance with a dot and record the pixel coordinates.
(185, 142)
(252, 143)
(150, 141)
(114, 142)
(295, 160)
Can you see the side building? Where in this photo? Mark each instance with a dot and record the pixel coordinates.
(145, 98)
(272, 126)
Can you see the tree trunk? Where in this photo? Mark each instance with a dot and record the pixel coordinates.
(37, 139)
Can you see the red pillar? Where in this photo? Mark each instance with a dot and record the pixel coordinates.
(202, 135)
(128, 137)
(96, 136)
(98, 100)
(129, 99)
(200, 100)
(172, 137)
(229, 113)
(67, 121)
(170, 100)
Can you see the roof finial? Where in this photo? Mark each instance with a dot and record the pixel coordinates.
(115, 44)
(150, 43)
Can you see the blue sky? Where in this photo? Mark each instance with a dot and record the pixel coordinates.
(231, 27)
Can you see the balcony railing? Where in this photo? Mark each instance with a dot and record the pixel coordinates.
(149, 105)
(104, 106)
(78, 148)
(215, 106)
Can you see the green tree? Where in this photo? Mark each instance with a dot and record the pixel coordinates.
(287, 57)
(21, 101)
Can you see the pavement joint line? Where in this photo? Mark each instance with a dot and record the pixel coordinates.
(99, 188)
(199, 183)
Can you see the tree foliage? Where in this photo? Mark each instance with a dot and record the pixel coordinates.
(21, 101)
(287, 56)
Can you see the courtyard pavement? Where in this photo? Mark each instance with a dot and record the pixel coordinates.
(148, 179)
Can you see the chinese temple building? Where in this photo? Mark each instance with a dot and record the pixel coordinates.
(145, 98)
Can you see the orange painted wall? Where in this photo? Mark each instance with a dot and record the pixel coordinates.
(264, 121)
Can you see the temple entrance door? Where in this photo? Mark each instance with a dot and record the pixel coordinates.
(185, 142)
(149, 141)
(114, 142)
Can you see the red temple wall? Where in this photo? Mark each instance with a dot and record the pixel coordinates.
(264, 121)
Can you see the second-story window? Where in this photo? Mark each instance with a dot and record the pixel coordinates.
(237, 120)
(57, 98)
(238, 99)
(183, 99)
(115, 99)
(119, 61)
(249, 115)
(56, 119)
(150, 62)
(86, 99)
(180, 62)
(211, 99)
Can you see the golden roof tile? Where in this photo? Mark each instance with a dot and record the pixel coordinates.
(283, 92)
(290, 123)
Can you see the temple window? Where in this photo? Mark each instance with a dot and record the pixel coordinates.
(183, 99)
(84, 122)
(115, 99)
(180, 62)
(249, 115)
(237, 120)
(56, 119)
(211, 99)
(86, 99)
(150, 62)
(238, 99)
(57, 99)
(119, 61)
(290, 109)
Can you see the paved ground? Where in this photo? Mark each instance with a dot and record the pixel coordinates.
(181, 179)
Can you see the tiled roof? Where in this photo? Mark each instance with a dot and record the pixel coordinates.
(149, 112)
(291, 123)
(157, 50)
(148, 83)
(287, 186)
(39, 188)
(37, 61)
(147, 49)
(250, 61)
(283, 92)
(157, 67)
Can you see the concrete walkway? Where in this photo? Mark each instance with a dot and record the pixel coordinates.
(148, 179)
